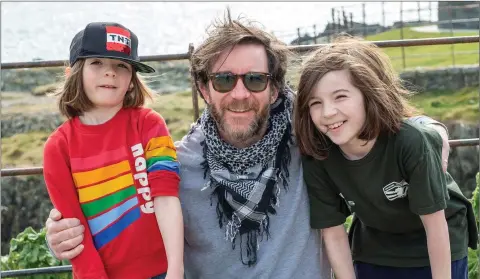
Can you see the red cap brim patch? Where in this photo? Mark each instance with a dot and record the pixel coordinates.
(118, 39)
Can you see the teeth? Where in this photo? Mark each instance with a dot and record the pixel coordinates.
(335, 125)
(238, 110)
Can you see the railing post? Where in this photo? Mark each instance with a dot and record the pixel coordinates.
(418, 11)
(401, 35)
(298, 35)
(364, 19)
(383, 16)
(196, 113)
(452, 47)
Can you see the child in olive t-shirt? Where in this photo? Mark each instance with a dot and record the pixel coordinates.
(361, 155)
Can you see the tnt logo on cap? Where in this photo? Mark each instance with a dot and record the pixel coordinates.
(107, 40)
(118, 39)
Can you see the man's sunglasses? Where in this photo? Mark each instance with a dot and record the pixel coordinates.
(226, 81)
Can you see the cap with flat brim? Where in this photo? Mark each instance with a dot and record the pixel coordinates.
(138, 66)
(107, 40)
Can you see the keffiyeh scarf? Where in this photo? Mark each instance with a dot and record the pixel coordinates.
(246, 181)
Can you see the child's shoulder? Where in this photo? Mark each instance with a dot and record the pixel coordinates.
(63, 130)
(60, 135)
(146, 114)
(414, 133)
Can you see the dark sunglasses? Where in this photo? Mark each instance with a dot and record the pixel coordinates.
(226, 81)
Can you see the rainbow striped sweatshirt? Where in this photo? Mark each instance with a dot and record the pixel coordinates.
(107, 176)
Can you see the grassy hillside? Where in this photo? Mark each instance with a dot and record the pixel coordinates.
(431, 55)
(447, 106)
(27, 149)
(177, 109)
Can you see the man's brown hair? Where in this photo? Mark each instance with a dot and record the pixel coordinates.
(74, 102)
(371, 72)
(226, 34)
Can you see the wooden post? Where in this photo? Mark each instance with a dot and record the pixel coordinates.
(364, 20)
(418, 11)
(383, 15)
(334, 27)
(333, 15)
(298, 34)
(196, 112)
(315, 34)
(351, 21)
(329, 32)
(339, 22)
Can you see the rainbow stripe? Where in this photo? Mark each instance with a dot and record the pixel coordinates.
(107, 195)
(161, 155)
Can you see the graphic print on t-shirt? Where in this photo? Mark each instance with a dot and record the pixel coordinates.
(396, 190)
(107, 193)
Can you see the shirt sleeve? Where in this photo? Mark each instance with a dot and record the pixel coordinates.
(421, 157)
(327, 208)
(161, 156)
(63, 194)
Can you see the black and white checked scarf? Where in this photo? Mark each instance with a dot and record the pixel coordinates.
(246, 181)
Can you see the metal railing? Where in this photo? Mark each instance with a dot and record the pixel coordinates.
(181, 56)
(39, 170)
(36, 271)
(296, 48)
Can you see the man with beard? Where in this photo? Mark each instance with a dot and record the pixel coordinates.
(243, 196)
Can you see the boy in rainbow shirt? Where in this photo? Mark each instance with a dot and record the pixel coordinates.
(113, 164)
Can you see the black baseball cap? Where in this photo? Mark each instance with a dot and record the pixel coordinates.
(107, 40)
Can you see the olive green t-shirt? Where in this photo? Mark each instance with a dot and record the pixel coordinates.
(398, 180)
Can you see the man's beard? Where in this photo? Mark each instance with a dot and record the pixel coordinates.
(254, 128)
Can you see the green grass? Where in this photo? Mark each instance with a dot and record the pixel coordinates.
(429, 55)
(26, 149)
(448, 106)
(23, 149)
(177, 109)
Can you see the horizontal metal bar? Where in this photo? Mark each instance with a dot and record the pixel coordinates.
(436, 54)
(59, 63)
(302, 48)
(21, 171)
(39, 170)
(464, 142)
(407, 24)
(35, 271)
(405, 43)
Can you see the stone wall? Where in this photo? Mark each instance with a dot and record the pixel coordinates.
(448, 78)
(169, 77)
(464, 161)
(23, 123)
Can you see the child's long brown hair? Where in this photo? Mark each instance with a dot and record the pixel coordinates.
(371, 72)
